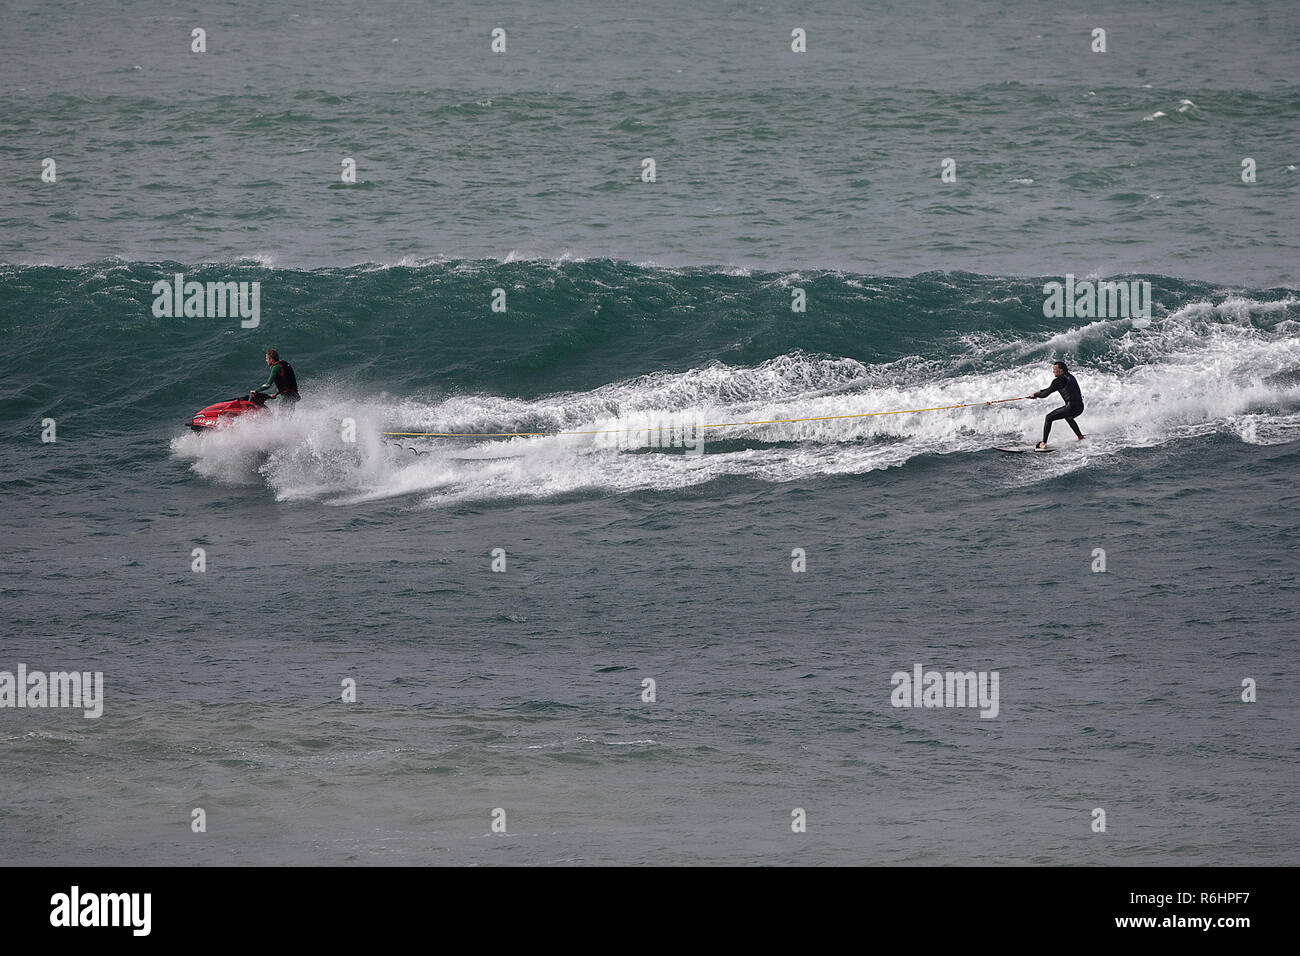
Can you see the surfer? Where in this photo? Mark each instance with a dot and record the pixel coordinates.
(282, 377)
(1065, 384)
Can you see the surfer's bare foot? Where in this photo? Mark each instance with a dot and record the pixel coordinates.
(1082, 437)
(1041, 444)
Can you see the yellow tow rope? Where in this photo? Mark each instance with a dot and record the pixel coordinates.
(609, 431)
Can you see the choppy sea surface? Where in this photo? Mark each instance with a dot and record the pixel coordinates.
(778, 175)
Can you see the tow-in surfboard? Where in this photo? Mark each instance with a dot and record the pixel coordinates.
(1020, 449)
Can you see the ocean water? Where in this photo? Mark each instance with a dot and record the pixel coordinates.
(628, 305)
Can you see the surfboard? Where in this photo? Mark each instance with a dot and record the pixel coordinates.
(1021, 449)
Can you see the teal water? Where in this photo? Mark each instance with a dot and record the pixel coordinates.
(1066, 160)
(630, 304)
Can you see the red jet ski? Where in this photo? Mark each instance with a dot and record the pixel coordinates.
(223, 413)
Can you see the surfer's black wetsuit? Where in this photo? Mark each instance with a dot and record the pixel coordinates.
(1072, 409)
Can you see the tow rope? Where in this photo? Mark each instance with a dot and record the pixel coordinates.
(773, 421)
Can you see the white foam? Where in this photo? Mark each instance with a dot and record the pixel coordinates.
(1203, 370)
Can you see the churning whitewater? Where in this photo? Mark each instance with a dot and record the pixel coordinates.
(1204, 368)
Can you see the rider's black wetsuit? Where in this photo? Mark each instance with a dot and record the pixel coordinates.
(285, 382)
(1072, 409)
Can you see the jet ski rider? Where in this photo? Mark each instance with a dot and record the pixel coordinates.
(282, 377)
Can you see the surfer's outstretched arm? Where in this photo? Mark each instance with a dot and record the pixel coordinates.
(1044, 392)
